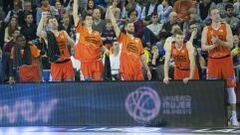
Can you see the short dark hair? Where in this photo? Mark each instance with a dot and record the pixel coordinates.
(88, 14)
(27, 14)
(154, 14)
(51, 17)
(228, 6)
(131, 11)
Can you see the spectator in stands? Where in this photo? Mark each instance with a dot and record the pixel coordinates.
(155, 63)
(108, 37)
(192, 33)
(58, 10)
(131, 5)
(89, 47)
(116, 10)
(132, 55)
(163, 10)
(182, 8)
(24, 57)
(27, 9)
(17, 8)
(192, 29)
(1, 68)
(7, 5)
(221, 6)
(138, 25)
(217, 39)
(184, 60)
(29, 29)
(100, 3)
(231, 19)
(45, 7)
(237, 8)
(61, 64)
(200, 63)
(12, 26)
(82, 5)
(3, 25)
(115, 61)
(203, 9)
(147, 11)
(2, 31)
(98, 23)
(67, 25)
(89, 8)
(236, 50)
(151, 32)
(108, 34)
(6, 61)
(173, 20)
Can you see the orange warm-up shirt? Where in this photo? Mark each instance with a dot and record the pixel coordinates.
(131, 45)
(221, 33)
(181, 58)
(130, 59)
(89, 45)
(61, 40)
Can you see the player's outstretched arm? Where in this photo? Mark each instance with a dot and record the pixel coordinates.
(76, 18)
(113, 21)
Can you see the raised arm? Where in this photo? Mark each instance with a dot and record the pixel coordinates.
(114, 23)
(40, 29)
(76, 18)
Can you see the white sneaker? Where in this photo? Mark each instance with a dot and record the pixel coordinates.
(234, 122)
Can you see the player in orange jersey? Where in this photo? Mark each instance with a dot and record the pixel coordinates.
(132, 55)
(217, 39)
(61, 64)
(26, 61)
(89, 47)
(184, 59)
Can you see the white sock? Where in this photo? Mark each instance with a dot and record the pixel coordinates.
(231, 96)
(234, 113)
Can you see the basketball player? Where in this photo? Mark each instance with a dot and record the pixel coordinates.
(61, 64)
(132, 55)
(217, 39)
(89, 46)
(184, 59)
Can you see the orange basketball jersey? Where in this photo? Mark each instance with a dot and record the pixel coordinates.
(89, 45)
(180, 57)
(131, 45)
(221, 33)
(61, 40)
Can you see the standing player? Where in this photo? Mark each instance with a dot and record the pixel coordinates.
(89, 46)
(184, 59)
(61, 64)
(132, 55)
(217, 39)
